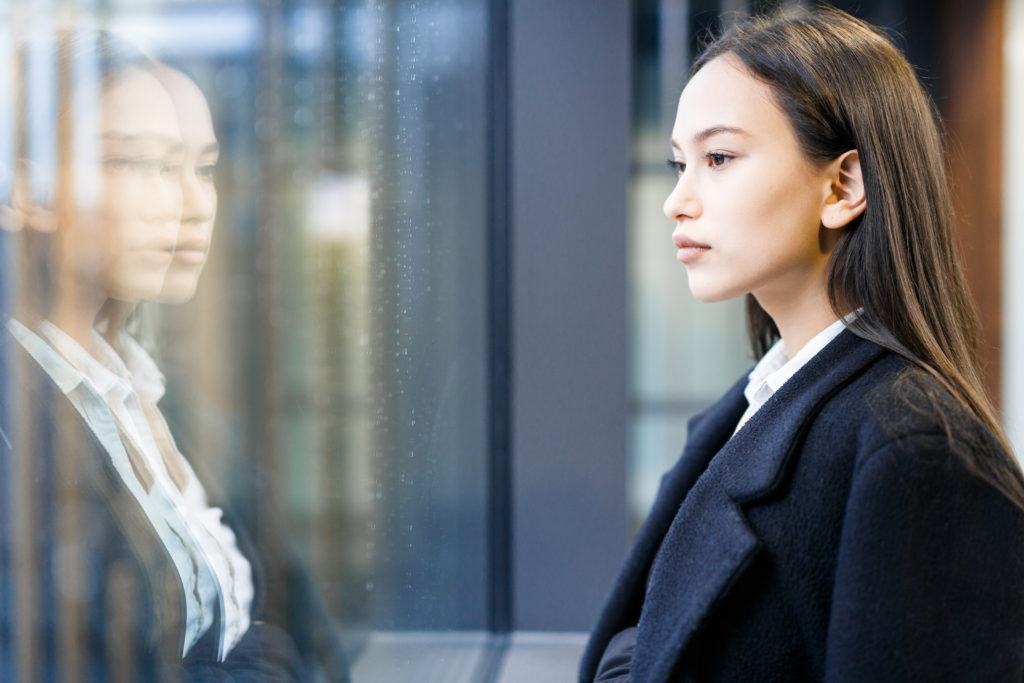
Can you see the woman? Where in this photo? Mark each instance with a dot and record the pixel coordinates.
(114, 564)
(849, 510)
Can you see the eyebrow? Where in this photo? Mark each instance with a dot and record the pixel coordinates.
(173, 143)
(712, 131)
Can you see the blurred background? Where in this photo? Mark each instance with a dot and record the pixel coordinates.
(442, 313)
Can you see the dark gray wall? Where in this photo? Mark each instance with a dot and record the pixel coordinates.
(570, 121)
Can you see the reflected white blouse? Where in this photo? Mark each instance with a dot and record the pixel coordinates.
(112, 395)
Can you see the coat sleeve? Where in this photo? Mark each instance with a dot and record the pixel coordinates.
(265, 654)
(930, 572)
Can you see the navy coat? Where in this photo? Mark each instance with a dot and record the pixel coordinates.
(839, 535)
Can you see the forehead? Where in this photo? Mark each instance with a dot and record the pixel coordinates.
(723, 93)
(192, 107)
(136, 105)
(194, 116)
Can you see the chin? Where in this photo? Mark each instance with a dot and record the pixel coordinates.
(136, 292)
(177, 292)
(179, 287)
(708, 293)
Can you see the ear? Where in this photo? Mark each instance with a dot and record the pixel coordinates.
(30, 206)
(846, 199)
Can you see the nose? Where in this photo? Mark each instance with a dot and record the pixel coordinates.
(682, 201)
(198, 199)
(165, 203)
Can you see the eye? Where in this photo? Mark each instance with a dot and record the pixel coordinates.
(132, 164)
(117, 164)
(677, 166)
(141, 165)
(716, 159)
(205, 171)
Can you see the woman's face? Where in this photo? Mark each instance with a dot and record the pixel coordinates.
(747, 202)
(199, 195)
(120, 236)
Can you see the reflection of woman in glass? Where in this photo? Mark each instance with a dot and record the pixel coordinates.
(112, 559)
(315, 635)
(849, 510)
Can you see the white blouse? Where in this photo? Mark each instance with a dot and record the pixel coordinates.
(775, 368)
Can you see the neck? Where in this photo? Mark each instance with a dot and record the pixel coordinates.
(74, 311)
(801, 317)
(115, 313)
(78, 307)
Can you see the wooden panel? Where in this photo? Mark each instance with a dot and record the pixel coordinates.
(971, 100)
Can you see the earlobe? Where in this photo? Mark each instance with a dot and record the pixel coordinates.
(26, 210)
(846, 200)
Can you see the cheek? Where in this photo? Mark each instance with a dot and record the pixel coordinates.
(119, 196)
(766, 229)
(749, 219)
(92, 235)
(87, 255)
(212, 202)
(787, 215)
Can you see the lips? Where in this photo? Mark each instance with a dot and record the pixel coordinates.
(689, 249)
(159, 250)
(683, 242)
(192, 251)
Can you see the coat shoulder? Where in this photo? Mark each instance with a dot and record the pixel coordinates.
(895, 402)
(900, 419)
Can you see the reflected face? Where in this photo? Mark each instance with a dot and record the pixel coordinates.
(747, 202)
(199, 195)
(120, 240)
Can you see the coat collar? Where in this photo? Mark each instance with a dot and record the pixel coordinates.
(756, 460)
(708, 543)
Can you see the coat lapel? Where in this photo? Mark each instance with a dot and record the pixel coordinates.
(709, 542)
(706, 434)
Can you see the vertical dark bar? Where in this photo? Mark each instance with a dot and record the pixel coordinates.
(262, 378)
(569, 80)
(500, 324)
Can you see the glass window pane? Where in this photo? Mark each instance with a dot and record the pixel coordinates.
(317, 327)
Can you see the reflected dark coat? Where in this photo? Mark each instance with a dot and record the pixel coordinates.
(838, 536)
(86, 586)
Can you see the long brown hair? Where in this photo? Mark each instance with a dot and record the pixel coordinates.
(843, 85)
